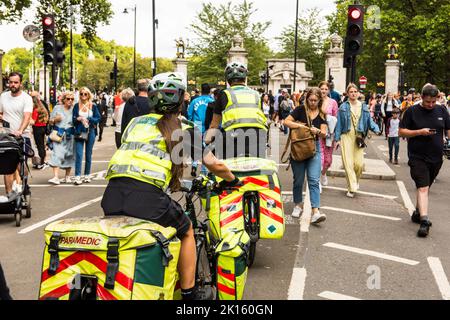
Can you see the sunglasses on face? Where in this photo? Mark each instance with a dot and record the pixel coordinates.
(84, 94)
(70, 99)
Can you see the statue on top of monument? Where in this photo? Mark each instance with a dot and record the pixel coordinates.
(238, 41)
(393, 49)
(180, 48)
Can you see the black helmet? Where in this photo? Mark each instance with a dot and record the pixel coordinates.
(166, 92)
(447, 149)
(236, 70)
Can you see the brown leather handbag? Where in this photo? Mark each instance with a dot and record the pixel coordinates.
(302, 143)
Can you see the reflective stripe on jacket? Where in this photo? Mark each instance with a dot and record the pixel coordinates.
(243, 109)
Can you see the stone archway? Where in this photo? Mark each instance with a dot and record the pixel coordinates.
(281, 74)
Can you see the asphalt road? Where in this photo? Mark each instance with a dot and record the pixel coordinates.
(367, 248)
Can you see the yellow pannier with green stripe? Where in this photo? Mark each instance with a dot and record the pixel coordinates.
(232, 269)
(126, 258)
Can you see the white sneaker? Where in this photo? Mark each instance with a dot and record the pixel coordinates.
(17, 188)
(54, 181)
(87, 179)
(66, 180)
(325, 180)
(297, 212)
(78, 181)
(350, 194)
(318, 218)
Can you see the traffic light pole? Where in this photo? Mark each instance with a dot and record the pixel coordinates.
(45, 82)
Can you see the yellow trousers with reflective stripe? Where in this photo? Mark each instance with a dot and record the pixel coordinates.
(352, 159)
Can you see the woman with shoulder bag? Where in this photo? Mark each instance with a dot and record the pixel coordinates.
(63, 152)
(86, 117)
(353, 124)
(309, 115)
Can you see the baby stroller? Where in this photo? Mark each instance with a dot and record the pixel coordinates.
(14, 153)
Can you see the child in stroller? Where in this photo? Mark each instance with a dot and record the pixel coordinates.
(14, 152)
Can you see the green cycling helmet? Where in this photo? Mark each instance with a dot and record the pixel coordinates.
(236, 70)
(166, 92)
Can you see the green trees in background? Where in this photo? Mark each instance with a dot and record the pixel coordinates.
(312, 36)
(422, 30)
(215, 27)
(91, 65)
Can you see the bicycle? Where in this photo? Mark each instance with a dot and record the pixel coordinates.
(205, 275)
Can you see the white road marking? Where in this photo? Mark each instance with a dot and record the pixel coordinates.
(440, 277)
(406, 199)
(335, 296)
(69, 186)
(371, 253)
(59, 216)
(359, 213)
(364, 193)
(297, 286)
(305, 219)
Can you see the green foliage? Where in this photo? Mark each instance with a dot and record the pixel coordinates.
(311, 40)
(422, 31)
(19, 60)
(215, 28)
(87, 13)
(12, 10)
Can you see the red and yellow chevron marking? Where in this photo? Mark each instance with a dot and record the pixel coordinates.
(267, 198)
(226, 290)
(261, 183)
(225, 207)
(231, 218)
(271, 215)
(228, 276)
(86, 260)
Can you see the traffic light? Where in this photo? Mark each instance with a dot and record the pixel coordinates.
(59, 52)
(263, 79)
(48, 25)
(354, 37)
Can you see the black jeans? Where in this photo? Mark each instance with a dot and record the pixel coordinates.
(4, 290)
(39, 139)
(118, 139)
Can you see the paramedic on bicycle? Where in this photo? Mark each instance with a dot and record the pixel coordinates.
(148, 164)
(239, 114)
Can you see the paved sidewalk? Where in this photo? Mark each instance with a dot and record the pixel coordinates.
(373, 169)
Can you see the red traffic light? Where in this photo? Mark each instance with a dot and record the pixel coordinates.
(355, 13)
(48, 21)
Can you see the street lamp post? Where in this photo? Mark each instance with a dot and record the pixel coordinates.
(155, 25)
(134, 59)
(296, 47)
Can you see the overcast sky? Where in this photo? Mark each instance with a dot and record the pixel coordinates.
(175, 16)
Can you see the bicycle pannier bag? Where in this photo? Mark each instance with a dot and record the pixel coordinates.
(232, 269)
(123, 258)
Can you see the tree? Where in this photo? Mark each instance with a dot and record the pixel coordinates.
(19, 60)
(422, 31)
(11, 11)
(215, 27)
(311, 39)
(88, 13)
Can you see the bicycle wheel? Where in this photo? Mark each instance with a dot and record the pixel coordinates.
(252, 229)
(205, 269)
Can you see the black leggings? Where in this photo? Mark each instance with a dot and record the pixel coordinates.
(39, 139)
(4, 290)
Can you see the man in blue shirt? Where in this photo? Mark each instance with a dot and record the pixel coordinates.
(334, 94)
(197, 114)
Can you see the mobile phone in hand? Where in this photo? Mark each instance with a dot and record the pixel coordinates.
(433, 131)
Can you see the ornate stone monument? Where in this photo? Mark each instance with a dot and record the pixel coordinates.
(392, 68)
(281, 74)
(1, 70)
(334, 64)
(237, 52)
(180, 63)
